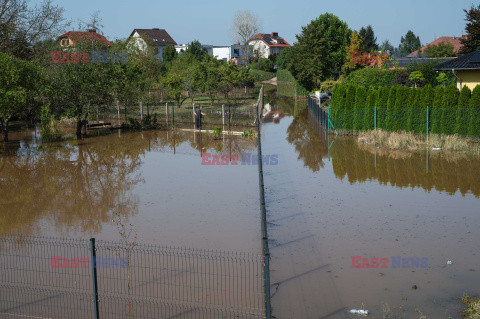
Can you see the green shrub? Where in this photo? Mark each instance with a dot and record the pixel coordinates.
(390, 112)
(410, 113)
(381, 103)
(369, 112)
(337, 111)
(263, 65)
(399, 111)
(285, 76)
(462, 117)
(261, 75)
(348, 108)
(418, 113)
(358, 113)
(449, 109)
(436, 110)
(372, 78)
(474, 105)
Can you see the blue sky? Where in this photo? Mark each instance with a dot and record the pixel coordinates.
(210, 21)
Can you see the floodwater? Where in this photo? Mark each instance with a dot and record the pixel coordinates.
(330, 199)
(155, 180)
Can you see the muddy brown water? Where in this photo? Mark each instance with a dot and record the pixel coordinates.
(328, 199)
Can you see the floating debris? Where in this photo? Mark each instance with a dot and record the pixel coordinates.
(436, 148)
(449, 262)
(359, 312)
(414, 287)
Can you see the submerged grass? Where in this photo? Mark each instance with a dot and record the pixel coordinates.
(409, 141)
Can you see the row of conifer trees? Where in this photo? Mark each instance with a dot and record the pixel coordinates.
(400, 108)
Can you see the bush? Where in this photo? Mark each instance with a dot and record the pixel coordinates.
(381, 101)
(263, 64)
(349, 104)
(400, 113)
(369, 113)
(285, 76)
(474, 123)
(449, 109)
(261, 76)
(372, 78)
(337, 111)
(359, 109)
(390, 112)
(417, 114)
(462, 116)
(428, 71)
(436, 112)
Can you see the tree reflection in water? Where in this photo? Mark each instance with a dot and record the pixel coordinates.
(79, 186)
(428, 170)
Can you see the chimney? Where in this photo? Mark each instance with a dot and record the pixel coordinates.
(155, 29)
(92, 30)
(274, 34)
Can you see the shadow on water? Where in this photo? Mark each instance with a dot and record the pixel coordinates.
(356, 163)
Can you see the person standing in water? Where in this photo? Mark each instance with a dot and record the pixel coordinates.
(198, 118)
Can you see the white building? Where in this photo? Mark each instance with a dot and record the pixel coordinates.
(155, 38)
(266, 45)
(227, 53)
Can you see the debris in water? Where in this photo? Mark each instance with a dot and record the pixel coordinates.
(436, 148)
(359, 312)
(379, 147)
(414, 287)
(449, 262)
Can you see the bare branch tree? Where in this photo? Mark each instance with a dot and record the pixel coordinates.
(23, 24)
(245, 25)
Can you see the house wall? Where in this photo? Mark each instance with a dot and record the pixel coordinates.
(222, 53)
(470, 78)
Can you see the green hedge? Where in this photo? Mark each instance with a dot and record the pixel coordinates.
(372, 78)
(261, 75)
(401, 108)
(285, 76)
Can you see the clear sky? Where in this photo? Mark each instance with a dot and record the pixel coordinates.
(210, 21)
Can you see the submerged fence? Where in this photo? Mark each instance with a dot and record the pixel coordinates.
(68, 278)
(426, 120)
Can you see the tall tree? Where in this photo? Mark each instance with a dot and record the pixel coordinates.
(245, 25)
(320, 50)
(387, 47)
(472, 41)
(369, 40)
(441, 50)
(354, 47)
(195, 48)
(409, 43)
(22, 24)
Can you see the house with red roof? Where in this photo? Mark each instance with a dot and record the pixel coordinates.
(71, 38)
(265, 45)
(455, 41)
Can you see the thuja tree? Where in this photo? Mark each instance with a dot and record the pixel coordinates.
(338, 99)
(413, 111)
(369, 113)
(390, 116)
(381, 98)
(449, 109)
(474, 122)
(436, 112)
(360, 99)
(462, 116)
(349, 104)
(399, 110)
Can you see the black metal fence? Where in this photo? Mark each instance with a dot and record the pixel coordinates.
(53, 278)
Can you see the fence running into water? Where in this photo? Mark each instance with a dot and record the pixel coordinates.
(44, 277)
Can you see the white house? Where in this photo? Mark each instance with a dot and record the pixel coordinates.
(227, 53)
(156, 38)
(265, 44)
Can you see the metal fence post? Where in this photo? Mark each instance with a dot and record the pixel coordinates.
(375, 118)
(328, 119)
(94, 276)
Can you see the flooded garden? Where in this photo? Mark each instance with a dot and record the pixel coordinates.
(350, 226)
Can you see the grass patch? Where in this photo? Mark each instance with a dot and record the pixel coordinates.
(472, 309)
(415, 142)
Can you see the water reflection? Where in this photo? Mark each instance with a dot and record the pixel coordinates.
(77, 187)
(428, 170)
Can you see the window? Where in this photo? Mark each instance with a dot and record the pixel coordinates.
(236, 51)
(155, 40)
(64, 42)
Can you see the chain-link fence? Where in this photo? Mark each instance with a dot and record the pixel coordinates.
(422, 120)
(68, 278)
